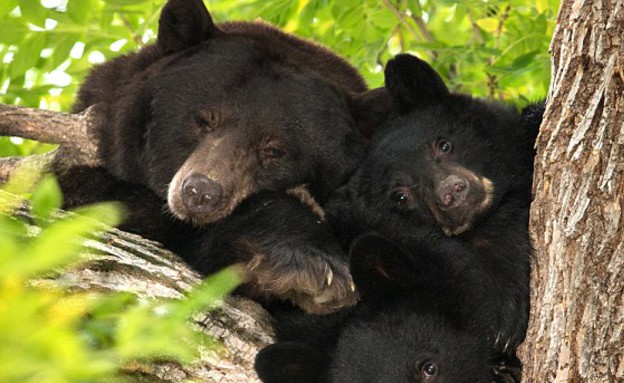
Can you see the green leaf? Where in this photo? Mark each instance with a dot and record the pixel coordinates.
(524, 60)
(13, 31)
(123, 2)
(108, 213)
(6, 6)
(78, 10)
(62, 48)
(414, 7)
(23, 180)
(488, 24)
(382, 19)
(46, 198)
(28, 54)
(34, 12)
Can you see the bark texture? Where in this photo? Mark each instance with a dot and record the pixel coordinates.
(72, 132)
(576, 332)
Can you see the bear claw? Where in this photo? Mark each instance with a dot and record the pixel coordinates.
(315, 283)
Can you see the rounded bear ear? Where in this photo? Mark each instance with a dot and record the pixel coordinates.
(182, 24)
(370, 110)
(380, 268)
(288, 362)
(532, 116)
(413, 83)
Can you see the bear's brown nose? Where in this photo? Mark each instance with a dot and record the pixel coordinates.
(200, 194)
(452, 191)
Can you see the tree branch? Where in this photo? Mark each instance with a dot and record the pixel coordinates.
(420, 23)
(73, 132)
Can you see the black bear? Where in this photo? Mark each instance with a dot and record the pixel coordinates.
(456, 172)
(413, 324)
(217, 122)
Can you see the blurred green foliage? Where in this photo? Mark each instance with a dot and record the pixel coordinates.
(50, 335)
(489, 48)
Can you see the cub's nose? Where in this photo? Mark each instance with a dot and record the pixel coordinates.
(452, 191)
(200, 194)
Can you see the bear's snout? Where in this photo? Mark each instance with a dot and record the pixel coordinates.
(200, 194)
(452, 192)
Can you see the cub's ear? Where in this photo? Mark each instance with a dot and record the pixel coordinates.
(532, 116)
(380, 268)
(182, 24)
(288, 362)
(370, 110)
(412, 83)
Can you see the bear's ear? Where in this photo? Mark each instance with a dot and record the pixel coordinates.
(370, 110)
(532, 116)
(288, 362)
(182, 24)
(380, 268)
(413, 83)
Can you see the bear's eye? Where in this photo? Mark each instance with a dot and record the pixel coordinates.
(271, 154)
(429, 370)
(444, 146)
(206, 120)
(402, 196)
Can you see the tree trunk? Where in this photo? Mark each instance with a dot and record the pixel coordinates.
(576, 332)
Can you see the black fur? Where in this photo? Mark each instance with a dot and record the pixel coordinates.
(248, 111)
(414, 323)
(455, 173)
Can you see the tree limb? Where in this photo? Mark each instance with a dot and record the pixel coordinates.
(72, 132)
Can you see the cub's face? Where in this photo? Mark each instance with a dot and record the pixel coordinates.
(227, 121)
(447, 165)
(405, 348)
(443, 159)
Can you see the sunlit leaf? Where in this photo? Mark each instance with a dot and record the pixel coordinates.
(13, 30)
(79, 9)
(46, 198)
(33, 11)
(28, 54)
(488, 24)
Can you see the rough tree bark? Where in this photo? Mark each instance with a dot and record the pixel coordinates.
(576, 333)
(121, 261)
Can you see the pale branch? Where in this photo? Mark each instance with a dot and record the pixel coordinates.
(47, 126)
(403, 20)
(72, 132)
(422, 27)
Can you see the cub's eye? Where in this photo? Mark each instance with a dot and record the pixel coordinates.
(429, 370)
(444, 146)
(402, 196)
(206, 120)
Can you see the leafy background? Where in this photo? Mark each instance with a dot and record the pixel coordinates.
(489, 48)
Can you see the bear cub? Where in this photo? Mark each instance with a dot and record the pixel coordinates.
(454, 172)
(407, 327)
(444, 277)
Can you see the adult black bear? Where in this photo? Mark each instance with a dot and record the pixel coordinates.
(207, 119)
(455, 172)
(414, 323)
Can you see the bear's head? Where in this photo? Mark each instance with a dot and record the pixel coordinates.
(395, 334)
(442, 158)
(216, 113)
